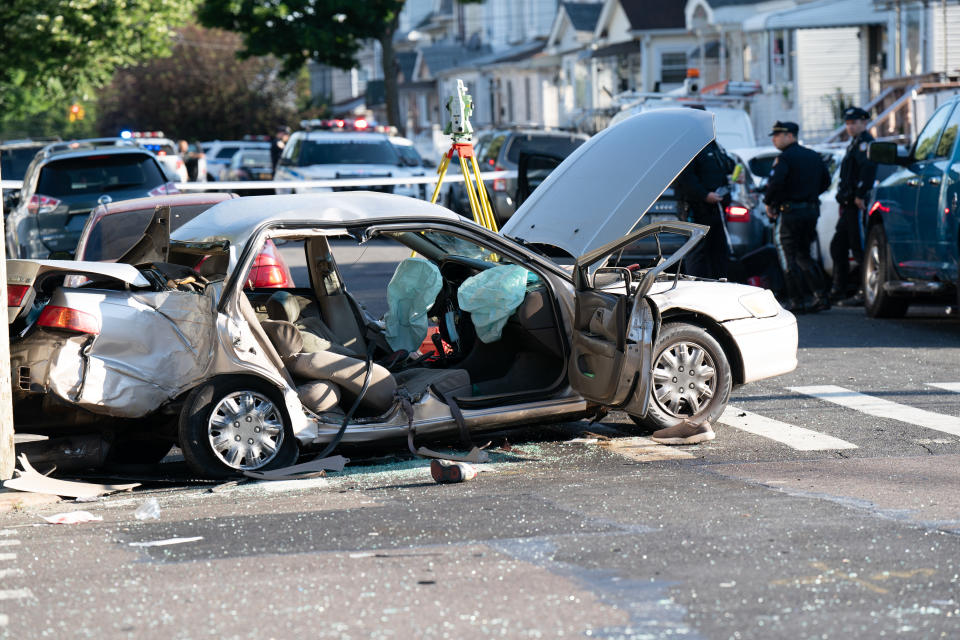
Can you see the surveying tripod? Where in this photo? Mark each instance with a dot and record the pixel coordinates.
(460, 131)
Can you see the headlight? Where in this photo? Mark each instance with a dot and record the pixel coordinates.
(760, 304)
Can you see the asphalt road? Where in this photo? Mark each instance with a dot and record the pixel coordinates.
(827, 507)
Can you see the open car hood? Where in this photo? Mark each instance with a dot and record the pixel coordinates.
(604, 187)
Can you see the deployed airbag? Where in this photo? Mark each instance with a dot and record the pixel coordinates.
(492, 296)
(412, 291)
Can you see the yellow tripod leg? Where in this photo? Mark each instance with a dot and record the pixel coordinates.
(491, 223)
(442, 170)
(471, 194)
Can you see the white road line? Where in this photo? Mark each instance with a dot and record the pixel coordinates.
(946, 386)
(881, 408)
(8, 556)
(15, 594)
(4, 620)
(788, 434)
(9, 543)
(7, 532)
(10, 573)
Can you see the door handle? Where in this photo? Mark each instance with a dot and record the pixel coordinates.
(913, 182)
(935, 181)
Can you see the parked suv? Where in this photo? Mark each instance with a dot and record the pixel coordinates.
(500, 151)
(64, 182)
(320, 155)
(219, 153)
(912, 243)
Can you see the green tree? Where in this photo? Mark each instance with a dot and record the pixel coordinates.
(329, 32)
(202, 90)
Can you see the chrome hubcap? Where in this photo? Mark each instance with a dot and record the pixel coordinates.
(684, 379)
(872, 274)
(245, 430)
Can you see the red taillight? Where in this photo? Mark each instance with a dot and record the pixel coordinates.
(42, 204)
(737, 213)
(15, 294)
(269, 271)
(499, 184)
(68, 319)
(878, 207)
(161, 153)
(360, 124)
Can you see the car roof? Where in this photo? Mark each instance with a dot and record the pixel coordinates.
(96, 151)
(237, 220)
(333, 136)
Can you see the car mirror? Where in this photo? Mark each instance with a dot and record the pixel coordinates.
(886, 153)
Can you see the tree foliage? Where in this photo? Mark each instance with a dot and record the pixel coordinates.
(201, 91)
(55, 51)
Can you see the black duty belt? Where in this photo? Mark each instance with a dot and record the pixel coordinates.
(797, 206)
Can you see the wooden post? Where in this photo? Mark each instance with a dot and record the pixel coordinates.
(7, 455)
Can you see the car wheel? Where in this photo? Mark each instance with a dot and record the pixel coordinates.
(691, 378)
(236, 424)
(876, 271)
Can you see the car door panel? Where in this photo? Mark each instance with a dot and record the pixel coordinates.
(601, 368)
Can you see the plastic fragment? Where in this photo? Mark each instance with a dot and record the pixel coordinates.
(165, 543)
(148, 510)
(72, 517)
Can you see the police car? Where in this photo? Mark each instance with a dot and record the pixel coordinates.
(342, 155)
(164, 148)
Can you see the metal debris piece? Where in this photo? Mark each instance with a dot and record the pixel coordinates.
(72, 517)
(31, 481)
(476, 455)
(311, 469)
(582, 441)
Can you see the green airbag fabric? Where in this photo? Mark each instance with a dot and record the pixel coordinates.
(491, 297)
(412, 291)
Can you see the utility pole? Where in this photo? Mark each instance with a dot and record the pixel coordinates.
(7, 454)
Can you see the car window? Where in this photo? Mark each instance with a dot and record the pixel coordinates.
(409, 156)
(550, 145)
(492, 149)
(255, 158)
(227, 152)
(926, 146)
(14, 161)
(348, 152)
(949, 135)
(114, 234)
(93, 174)
(762, 165)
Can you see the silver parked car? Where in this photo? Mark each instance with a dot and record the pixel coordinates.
(244, 378)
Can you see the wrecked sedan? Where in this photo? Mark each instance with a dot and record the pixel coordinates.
(245, 378)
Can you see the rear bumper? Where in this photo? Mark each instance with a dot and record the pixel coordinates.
(768, 346)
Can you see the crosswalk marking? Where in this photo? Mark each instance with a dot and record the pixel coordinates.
(881, 408)
(9, 543)
(8, 556)
(8, 573)
(946, 386)
(788, 434)
(15, 594)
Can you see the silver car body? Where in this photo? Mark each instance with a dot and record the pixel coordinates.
(154, 346)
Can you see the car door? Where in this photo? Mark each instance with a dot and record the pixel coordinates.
(919, 186)
(614, 326)
(934, 204)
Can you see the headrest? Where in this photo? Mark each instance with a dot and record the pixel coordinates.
(284, 336)
(283, 306)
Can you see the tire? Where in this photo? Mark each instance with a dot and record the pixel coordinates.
(876, 271)
(677, 345)
(260, 425)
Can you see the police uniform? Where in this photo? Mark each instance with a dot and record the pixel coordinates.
(796, 181)
(857, 174)
(707, 173)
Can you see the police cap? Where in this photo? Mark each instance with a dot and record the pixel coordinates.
(784, 127)
(855, 113)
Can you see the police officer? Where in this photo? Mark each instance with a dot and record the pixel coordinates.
(277, 145)
(797, 179)
(705, 187)
(856, 180)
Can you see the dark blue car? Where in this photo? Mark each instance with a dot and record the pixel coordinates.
(912, 248)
